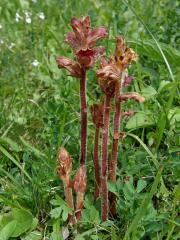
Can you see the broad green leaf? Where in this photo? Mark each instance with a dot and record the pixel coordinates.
(144, 205)
(148, 92)
(56, 212)
(35, 235)
(140, 120)
(141, 185)
(7, 231)
(24, 221)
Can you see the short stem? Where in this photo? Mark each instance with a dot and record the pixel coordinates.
(96, 163)
(69, 199)
(79, 205)
(104, 167)
(83, 106)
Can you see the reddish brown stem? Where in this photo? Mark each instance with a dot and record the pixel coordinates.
(79, 205)
(114, 153)
(104, 167)
(69, 200)
(96, 163)
(83, 106)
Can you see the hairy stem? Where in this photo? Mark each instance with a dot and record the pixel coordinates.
(104, 167)
(96, 163)
(114, 153)
(69, 200)
(83, 106)
(79, 205)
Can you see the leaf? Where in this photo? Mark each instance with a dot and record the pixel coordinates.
(7, 231)
(112, 187)
(144, 205)
(140, 120)
(148, 92)
(35, 235)
(24, 221)
(56, 212)
(141, 185)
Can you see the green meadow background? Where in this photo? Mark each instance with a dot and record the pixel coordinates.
(39, 106)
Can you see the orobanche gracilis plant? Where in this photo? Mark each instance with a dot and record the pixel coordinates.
(112, 77)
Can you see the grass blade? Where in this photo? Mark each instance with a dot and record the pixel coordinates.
(8, 155)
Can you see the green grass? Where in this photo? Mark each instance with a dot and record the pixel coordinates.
(39, 108)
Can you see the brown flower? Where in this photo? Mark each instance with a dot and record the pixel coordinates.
(80, 180)
(97, 114)
(110, 71)
(64, 164)
(73, 67)
(82, 40)
(132, 95)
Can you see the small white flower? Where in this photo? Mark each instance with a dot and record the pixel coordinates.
(35, 63)
(18, 17)
(1, 41)
(11, 45)
(0, 26)
(27, 17)
(41, 15)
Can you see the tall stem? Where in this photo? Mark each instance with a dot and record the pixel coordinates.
(96, 163)
(83, 106)
(104, 167)
(114, 153)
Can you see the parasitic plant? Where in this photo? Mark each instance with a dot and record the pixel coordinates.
(64, 168)
(112, 77)
(82, 40)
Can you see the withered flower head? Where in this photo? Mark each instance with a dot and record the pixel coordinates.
(132, 95)
(123, 55)
(110, 71)
(83, 38)
(80, 180)
(97, 114)
(64, 164)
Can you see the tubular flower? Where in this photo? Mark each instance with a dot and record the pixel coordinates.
(82, 40)
(73, 67)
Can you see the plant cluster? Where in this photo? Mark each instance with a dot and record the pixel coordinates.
(112, 76)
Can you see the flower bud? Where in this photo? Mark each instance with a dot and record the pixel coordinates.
(64, 164)
(97, 114)
(80, 180)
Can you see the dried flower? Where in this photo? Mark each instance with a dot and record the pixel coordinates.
(73, 67)
(82, 40)
(110, 71)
